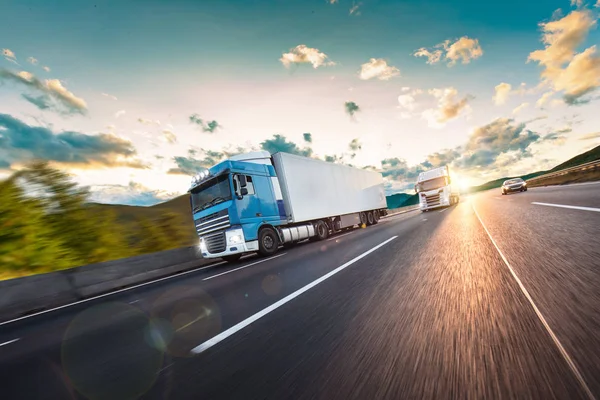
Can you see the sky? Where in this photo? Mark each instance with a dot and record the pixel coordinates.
(131, 98)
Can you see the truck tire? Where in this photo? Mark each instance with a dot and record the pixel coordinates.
(363, 218)
(268, 242)
(376, 216)
(370, 218)
(232, 258)
(321, 230)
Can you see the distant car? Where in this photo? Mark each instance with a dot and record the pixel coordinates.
(514, 185)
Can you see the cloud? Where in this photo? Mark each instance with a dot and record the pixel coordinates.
(355, 145)
(519, 108)
(32, 60)
(576, 3)
(501, 136)
(332, 1)
(463, 49)
(378, 68)
(65, 101)
(45, 68)
(43, 102)
(200, 160)
(307, 137)
(110, 96)
(407, 101)
(544, 99)
(351, 108)
(354, 10)
(555, 138)
(148, 121)
(9, 55)
(280, 143)
(207, 126)
(169, 136)
(302, 54)
(433, 57)
(502, 92)
(449, 107)
(590, 136)
(20, 143)
(134, 194)
(120, 113)
(564, 70)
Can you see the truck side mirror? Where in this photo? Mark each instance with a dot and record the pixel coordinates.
(243, 182)
(244, 191)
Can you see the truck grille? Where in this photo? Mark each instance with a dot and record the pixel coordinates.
(212, 222)
(433, 200)
(215, 243)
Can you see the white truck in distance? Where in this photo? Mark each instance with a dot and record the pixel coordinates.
(435, 189)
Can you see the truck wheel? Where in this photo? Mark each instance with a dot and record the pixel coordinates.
(370, 218)
(376, 216)
(268, 242)
(322, 231)
(232, 258)
(363, 218)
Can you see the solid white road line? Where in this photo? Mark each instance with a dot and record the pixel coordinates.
(111, 293)
(245, 266)
(566, 206)
(339, 236)
(443, 210)
(557, 342)
(241, 325)
(9, 342)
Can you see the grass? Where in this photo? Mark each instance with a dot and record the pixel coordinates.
(591, 175)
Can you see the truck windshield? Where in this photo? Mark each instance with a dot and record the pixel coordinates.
(212, 192)
(431, 184)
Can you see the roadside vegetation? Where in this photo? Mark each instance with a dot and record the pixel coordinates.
(46, 224)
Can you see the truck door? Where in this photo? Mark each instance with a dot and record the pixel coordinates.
(247, 201)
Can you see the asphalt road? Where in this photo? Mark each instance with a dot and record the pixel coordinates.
(495, 298)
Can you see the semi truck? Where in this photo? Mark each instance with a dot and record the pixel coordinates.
(435, 189)
(257, 202)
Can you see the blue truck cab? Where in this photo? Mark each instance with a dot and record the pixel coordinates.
(231, 201)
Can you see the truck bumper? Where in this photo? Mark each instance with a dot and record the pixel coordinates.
(235, 243)
(425, 207)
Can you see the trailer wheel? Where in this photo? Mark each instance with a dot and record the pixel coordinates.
(322, 231)
(268, 242)
(370, 218)
(363, 218)
(376, 216)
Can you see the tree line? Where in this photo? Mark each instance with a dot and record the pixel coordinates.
(47, 224)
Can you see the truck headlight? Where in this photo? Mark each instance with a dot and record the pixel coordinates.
(235, 239)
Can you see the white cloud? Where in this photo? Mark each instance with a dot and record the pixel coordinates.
(148, 121)
(576, 3)
(464, 49)
(45, 68)
(519, 108)
(9, 55)
(169, 136)
(407, 102)
(110, 96)
(302, 54)
(378, 68)
(333, 1)
(119, 113)
(449, 107)
(544, 99)
(502, 92)
(574, 74)
(354, 10)
(432, 56)
(590, 136)
(32, 60)
(52, 92)
(405, 89)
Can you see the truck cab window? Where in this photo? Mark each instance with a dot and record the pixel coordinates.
(249, 185)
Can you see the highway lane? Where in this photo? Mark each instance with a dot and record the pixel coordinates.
(556, 254)
(434, 313)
